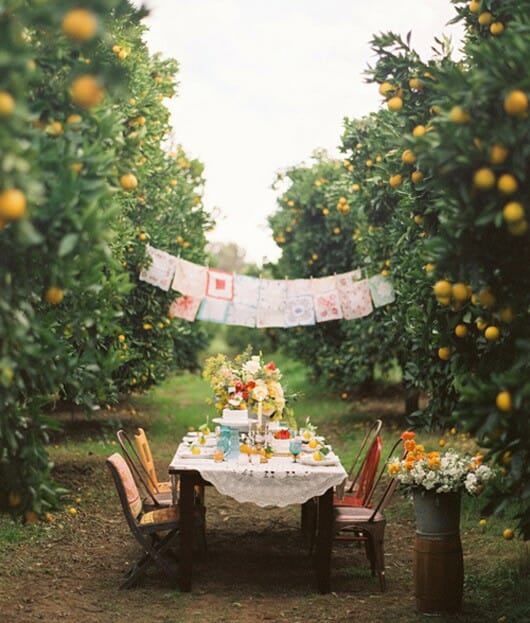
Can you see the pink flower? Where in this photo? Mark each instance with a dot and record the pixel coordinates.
(270, 366)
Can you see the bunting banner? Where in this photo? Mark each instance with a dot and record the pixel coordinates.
(190, 279)
(160, 271)
(215, 295)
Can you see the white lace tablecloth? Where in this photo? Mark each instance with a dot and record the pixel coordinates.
(279, 482)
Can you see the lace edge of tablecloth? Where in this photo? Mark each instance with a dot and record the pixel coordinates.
(281, 497)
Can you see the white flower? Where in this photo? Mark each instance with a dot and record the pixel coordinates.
(260, 392)
(252, 365)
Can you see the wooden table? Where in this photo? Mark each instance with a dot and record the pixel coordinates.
(189, 477)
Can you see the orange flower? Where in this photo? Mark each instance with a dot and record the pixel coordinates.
(408, 434)
(409, 445)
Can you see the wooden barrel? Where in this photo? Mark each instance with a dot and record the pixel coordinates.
(438, 570)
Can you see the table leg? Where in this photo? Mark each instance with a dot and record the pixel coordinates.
(187, 530)
(324, 541)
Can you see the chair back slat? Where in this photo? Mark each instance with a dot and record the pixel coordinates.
(146, 458)
(372, 432)
(390, 488)
(126, 486)
(136, 466)
(364, 486)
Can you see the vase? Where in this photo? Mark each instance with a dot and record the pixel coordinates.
(438, 566)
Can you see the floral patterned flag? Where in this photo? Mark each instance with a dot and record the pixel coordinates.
(190, 278)
(271, 304)
(241, 314)
(326, 299)
(381, 290)
(344, 280)
(299, 310)
(220, 284)
(356, 301)
(246, 290)
(213, 310)
(160, 271)
(185, 307)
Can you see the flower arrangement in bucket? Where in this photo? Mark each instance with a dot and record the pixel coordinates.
(247, 382)
(447, 472)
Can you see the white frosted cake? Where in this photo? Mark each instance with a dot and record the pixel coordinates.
(236, 415)
(280, 446)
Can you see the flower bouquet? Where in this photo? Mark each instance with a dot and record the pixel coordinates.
(247, 382)
(447, 472)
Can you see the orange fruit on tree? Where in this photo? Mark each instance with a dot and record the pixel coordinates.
(513, 212)
(484, 178)
(7, 104)
(492, 333)
(504, 401)
(444, 353)
(459, 115)
(396, 180)
(485, 18)
(486, 298)
(442, 288)
(460, 292)
(12, 204)
(395, 103)
(496, 28)
(54, 295)
(79, 24)
(474, 6)
(86, 91)
(461, 330)
(385, 88)
(419, 130)
(416, 177)
(507, 184)
(416, 84)
(481, 324)
(506, 314)
(498, 154)
(408, 156)
(128, 181)
(74, 119)
(516, 103)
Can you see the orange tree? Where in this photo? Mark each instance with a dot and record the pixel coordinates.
(67, 222)
(478, 157)
(472, 165)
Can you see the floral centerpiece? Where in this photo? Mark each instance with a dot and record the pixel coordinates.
(245, 383)
(439, 472)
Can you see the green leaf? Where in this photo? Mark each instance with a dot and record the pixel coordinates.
(68, 244)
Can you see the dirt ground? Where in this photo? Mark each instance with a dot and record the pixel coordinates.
(257, 567)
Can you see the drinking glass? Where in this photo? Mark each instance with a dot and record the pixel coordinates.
(295, 447)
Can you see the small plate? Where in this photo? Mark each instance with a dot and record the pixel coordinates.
(330, 459)
(206, 453)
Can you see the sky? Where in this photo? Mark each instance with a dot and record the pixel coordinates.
(264, 83)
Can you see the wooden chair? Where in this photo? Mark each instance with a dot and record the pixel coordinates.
(154, 496)
(368, 524)
(360, 486)
(155, 530)
(159, 488)
(144, 451)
